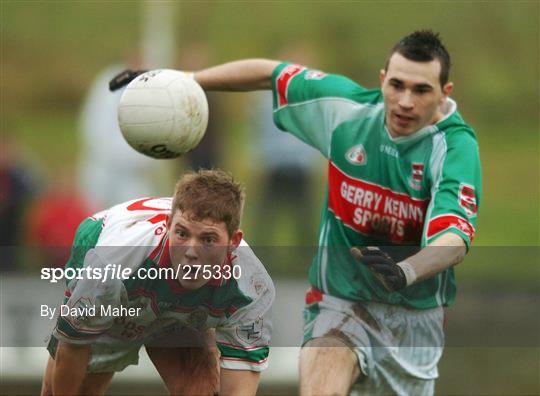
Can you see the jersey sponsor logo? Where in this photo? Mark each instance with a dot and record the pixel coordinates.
(374, 210)
(252, 332)
(127, 329)
(357, 155)
(283, 81)
(442, 223)
(415, 181)
(467, 199)
(314, 75)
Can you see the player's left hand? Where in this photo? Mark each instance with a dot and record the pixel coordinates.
(124, 78)
(382, 266)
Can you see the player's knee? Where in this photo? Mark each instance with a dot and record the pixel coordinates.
(330, 348)
(198, 373)
(327, 367)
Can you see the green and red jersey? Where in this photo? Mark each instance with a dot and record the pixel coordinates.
(134, 235)
(382, 191)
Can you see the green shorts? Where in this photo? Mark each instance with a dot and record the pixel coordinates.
(398, 348)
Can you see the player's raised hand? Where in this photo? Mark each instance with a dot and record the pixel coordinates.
(124, 78)
(382, 266)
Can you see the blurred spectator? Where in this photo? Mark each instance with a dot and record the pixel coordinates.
(53, 220)
(207, 154)
(287, 164)
(110, 171)
(18, 185)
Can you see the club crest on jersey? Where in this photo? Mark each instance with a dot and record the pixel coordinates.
(357, 155)
(251, 332)
(467, 199)
(415, 181)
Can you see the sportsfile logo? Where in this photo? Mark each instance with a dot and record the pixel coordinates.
(111, 272)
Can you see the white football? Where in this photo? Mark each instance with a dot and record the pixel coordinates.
(163, 113)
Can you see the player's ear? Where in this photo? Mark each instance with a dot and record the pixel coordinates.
(382, 75)
(236, 238)
(446, 90)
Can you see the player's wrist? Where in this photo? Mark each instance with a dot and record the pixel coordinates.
(188, 74)
(408, 272)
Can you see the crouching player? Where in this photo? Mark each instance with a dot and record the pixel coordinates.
(220, 294)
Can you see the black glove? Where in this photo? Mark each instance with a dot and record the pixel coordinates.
(124, 78)
(382, 266)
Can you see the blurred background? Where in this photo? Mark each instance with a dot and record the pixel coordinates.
(62, 156)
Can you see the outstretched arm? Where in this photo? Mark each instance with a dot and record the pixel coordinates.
(242, 75)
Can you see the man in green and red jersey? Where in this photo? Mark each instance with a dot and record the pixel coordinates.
(404, 185)
(192, 283)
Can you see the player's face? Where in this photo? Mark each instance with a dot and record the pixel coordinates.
(412, 94)
(198, 245)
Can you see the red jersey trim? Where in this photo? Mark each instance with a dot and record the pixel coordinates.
(313, 296)
(441, 223)
(283, 80)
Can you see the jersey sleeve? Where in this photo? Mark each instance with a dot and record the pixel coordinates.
(310, 104)
(456, 188)
(81, 320)
(244, 337)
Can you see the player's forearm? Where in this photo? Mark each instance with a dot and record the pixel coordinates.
(444, 252)
(238, 382)
(70, 368)
(242, 75)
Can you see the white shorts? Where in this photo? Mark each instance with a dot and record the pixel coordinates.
(398, 348)
(114, 357)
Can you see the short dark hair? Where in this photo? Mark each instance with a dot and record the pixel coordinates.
(423, 46)
(210, 194)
